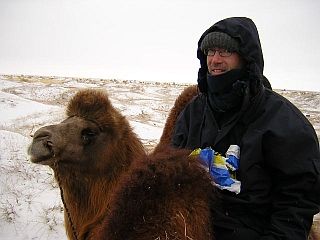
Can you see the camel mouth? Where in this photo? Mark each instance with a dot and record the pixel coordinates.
(41, 152)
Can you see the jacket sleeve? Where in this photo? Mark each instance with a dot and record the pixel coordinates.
(293, 159)
(180, 133)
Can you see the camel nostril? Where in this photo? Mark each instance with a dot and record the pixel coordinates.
(48, 144)
(44, 134)
(41, 148)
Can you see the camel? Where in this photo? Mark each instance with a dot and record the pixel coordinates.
(111, 187)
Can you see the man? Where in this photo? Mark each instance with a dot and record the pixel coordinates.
(279, 160)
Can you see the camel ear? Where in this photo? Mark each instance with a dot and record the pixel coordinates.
(180, 103)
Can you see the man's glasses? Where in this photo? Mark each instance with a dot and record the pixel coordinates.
(221, 52)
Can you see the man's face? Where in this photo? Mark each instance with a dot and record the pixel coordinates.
(220, 61)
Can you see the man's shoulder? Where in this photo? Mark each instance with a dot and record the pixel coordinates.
(197, 103)
(281, 109)
(199, 99)
(276, 100)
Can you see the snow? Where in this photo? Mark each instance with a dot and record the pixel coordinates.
(30, 204)
(149, 132)
(14, 107)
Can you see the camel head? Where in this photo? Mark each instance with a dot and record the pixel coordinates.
(93, 137)
(88, 152)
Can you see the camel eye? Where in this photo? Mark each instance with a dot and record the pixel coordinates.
(88, 135)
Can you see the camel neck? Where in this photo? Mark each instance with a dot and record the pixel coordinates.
(87, 199)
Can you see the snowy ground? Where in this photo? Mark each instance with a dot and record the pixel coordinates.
(30, 205)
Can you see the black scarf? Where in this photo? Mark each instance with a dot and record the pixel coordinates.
(226, 91)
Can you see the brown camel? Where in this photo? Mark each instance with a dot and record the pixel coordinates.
(111, 188)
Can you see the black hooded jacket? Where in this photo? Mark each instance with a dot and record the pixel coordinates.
(279, 150)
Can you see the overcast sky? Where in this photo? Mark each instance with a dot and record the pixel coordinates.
(152, 40)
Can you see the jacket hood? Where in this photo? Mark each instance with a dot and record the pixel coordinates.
(244, 30)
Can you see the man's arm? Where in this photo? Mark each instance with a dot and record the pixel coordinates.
(294, 162)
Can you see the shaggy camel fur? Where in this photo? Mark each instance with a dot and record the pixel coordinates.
(183, 99)
(111, 188)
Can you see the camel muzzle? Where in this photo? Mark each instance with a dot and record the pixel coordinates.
(41, 150)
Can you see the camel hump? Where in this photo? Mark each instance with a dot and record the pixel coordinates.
(180, 103)
(155, 192)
